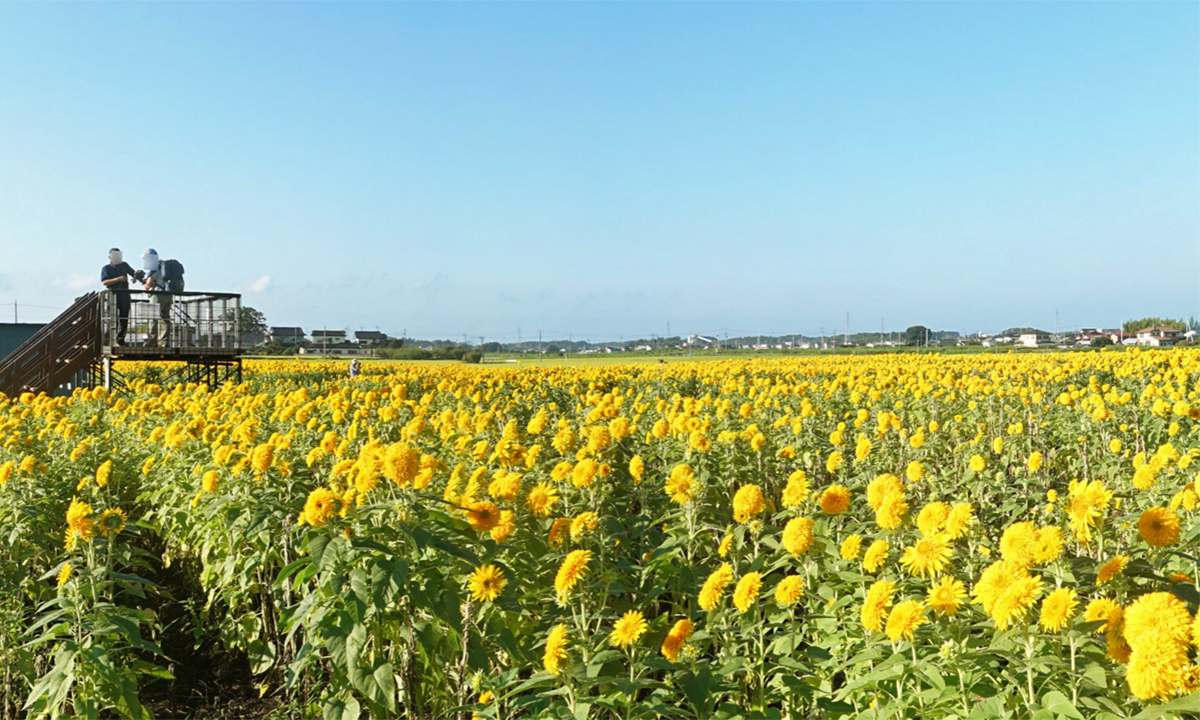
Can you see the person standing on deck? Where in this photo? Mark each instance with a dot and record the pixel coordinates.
(114, 277)
(157, 284)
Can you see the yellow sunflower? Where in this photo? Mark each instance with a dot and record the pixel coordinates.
(1159, 527)
(574, 567)
(676, 639)
(929, 556)
(835, 500)
(628, 629)
(874, 609)
(486, 583)
(112, 521)
(1057, 608)
(945, 596)
(745, 595)
(714, 586)
(904, 620)
(748, 503)
(556, 649)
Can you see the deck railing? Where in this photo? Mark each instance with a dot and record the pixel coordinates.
(182, 323)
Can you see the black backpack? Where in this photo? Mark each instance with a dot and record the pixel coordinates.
(172, 270)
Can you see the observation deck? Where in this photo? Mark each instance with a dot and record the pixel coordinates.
(197, 333)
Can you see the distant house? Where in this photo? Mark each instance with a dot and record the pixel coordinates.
(328, 336)
(369, 337)
(287, 335)
(1159, 336)
(332, 348)
(1036, 338)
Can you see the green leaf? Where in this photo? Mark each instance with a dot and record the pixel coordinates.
(385, 680)
(1179, 707)
(732, 666)
(698, 689)
(316, 548)
(1095, 675)
(262, 656)
(338, 709)
(1059, 704)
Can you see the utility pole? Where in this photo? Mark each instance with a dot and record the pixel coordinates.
(481, 349)
(570, 342)
(14, 312)
(539, 345)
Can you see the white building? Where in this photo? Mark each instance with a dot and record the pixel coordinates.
(1159, 336)
(1034, 339)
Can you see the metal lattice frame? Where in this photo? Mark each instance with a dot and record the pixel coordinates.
(104, 373)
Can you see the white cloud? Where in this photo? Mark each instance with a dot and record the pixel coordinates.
(76, 282)
(260, 285)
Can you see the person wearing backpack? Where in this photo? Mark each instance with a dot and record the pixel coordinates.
(163, 277)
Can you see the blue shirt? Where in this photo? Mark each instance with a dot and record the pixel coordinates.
(110, 271)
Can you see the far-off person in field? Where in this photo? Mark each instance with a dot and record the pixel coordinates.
(163, 277)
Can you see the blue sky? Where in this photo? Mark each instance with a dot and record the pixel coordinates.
(602, 169)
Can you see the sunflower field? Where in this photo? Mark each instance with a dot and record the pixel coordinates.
(893, 536)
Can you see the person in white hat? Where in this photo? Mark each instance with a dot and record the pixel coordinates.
(160, 322)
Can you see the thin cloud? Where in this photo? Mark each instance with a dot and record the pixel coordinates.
(260, 285)
(75, 281)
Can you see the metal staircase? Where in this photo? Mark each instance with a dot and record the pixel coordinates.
(63, 347)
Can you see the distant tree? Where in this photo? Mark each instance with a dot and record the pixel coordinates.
(472, 356)
(1193, 324)
(1101, 341)
(917, 335)
(252, 321)
(1133, 326)
(552, 349)
(275, 347)
(491, 347)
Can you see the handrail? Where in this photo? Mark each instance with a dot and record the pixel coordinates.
(58, 350)
(159, 322)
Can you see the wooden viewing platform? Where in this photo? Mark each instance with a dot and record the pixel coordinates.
(198, 332)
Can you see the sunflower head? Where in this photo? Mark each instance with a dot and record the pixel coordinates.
(112, 521)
